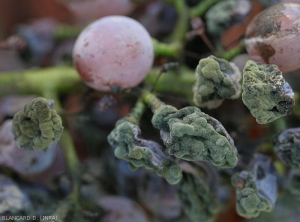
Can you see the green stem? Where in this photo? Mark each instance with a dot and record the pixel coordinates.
(50, 93)
(151, 100)
(67, 145)
(136, 113)
(200, 9)
(175, 45)
(165, 49)
(230, 54)
(66, 139)
(63, 80)
(181, 27)
(65, 32)
(173, 83)
(69, 151)
(279, 125)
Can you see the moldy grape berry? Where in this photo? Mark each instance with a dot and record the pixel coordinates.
(114, 52)
(273, 37)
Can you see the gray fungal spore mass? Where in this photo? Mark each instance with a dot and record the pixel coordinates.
(265, 92)
(37, 126)
(192, 135)
(197, 198)
(129, 146)
(256, 187)
(216, 80)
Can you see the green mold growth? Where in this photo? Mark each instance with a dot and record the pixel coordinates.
(192, 135)
(37, 126)
(216, 80)
(287, 147)
(256, 188)
(226, 14)
(198, 196)
(265, 92)
(129, 146)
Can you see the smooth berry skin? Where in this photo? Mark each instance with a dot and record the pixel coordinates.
(114, 52)
(273, 37)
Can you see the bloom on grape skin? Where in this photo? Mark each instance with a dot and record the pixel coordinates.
(114, 52)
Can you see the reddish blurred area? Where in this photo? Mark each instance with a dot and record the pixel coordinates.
(14, 12)
(230, 38)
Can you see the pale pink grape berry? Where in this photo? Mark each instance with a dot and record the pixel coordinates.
(114, 52)
(273, 37)
(94, 9)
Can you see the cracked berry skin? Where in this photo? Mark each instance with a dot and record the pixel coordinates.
(273, 37)
(113, 53)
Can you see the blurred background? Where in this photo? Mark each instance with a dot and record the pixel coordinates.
(92, 115)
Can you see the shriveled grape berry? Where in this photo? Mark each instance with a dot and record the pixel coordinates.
(114, 52)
